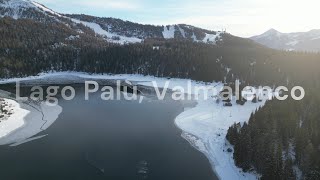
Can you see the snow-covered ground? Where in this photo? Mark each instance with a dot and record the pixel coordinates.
(15, 5)
(168, 33)
(112, 37)
(26, 121)
(207, 125)
(204, 126)
(212, 38)
(14, 121)
(45, 9)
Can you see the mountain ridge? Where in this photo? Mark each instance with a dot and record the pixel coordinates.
(295, 41)
(114, 30)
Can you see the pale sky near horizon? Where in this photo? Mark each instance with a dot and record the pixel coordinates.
(243, 18)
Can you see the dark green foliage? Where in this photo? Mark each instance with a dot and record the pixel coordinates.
(280, 135)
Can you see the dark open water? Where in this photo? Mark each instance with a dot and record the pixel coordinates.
(113, 140)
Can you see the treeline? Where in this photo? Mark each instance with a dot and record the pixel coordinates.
(281, 140)
(28, 48)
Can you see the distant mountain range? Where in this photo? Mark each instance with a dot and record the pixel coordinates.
(112, 29)
(299, 41)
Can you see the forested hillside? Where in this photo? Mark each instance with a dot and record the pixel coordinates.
(36, 39)
(141, 31)
(281, 140)
(28, 48)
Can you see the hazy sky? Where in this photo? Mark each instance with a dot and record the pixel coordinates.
(240, 17)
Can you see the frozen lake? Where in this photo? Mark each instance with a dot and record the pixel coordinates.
(99, 139)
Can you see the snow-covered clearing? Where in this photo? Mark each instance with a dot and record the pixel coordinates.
(168, 33)
(112, 37)
(28, 140)
(212, 38)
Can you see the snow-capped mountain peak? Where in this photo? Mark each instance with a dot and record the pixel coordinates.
(18, 9)
(271, 32)
(44, 8)
(299, 41)
(14, 8)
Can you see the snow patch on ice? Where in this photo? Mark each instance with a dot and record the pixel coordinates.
(195, 142)
(27, 120)
(28, 140)
(14, 121)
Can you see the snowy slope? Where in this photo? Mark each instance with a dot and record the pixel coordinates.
(168, 32)
(111, 37)
(300, 41)
(14, 8)
(25, 9)
(45, 9)
(28, 9)
(212, 38)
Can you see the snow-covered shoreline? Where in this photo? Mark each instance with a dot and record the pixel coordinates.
(27, 121)
(14, 121)
(204, 126)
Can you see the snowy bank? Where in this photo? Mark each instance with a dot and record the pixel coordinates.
(14, 121)
(206, 128)
(27, 120)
